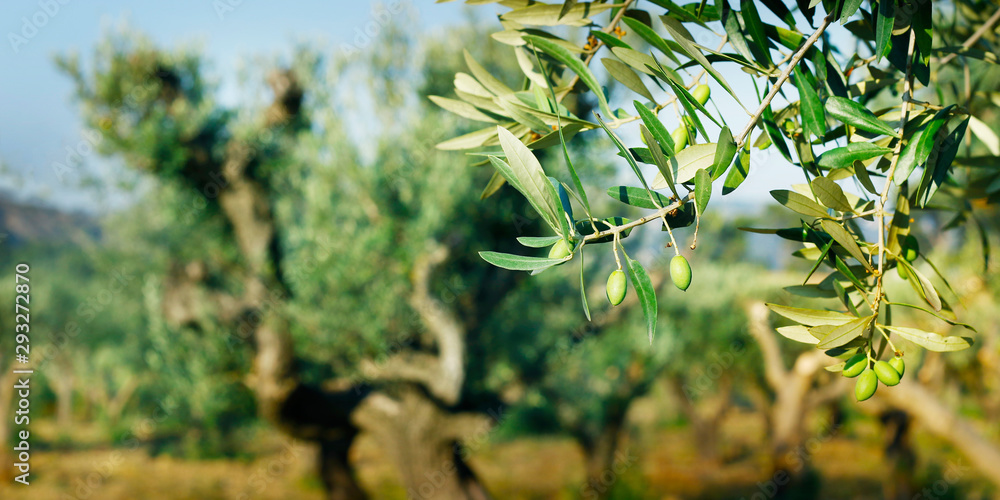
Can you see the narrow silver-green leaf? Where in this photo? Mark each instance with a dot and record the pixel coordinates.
(836, 336)
(921, 284)
(858, 116)
(538, 241)
(846, 156)
(755, 28)
(651, 37)
(520, 262)
(702, 189)
(573, 63)
(739, 172)
(724, 153)
(831, 195)
(883, 27)
(659, 159)
(811, 317)
(655, 126)
(683, 37)
(846, 240)
(626, 76)
(637, 197)
(930, 340)
(810, 107)
(541, 14)
(461, 108)
(529, 178)
(647, 294)
(799, 203)
(685, 164)
(798, 333)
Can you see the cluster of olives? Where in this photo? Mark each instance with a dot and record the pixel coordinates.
(680, 270)
(680, 274)
(887, 372)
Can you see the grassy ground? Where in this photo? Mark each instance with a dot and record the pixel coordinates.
(667, 466)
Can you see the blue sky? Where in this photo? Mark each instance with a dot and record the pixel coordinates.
(40, 119)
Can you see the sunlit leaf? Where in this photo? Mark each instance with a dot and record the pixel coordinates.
(836, 336)
(811, 317)
(799, 203)
(686, 163)
(647, 294)
(520, 262)
(856, 115)
(845, 156)
(573, 63)
(930, 340)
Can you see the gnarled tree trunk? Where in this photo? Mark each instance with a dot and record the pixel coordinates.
(422, 440)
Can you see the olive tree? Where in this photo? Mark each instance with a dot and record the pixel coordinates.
(875, 131)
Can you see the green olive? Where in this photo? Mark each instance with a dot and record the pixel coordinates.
(865, 387)
(898, 365)
(911, 248)
(701, 93)
(903, 273)
(617, 286)
(560, 250)
(680, 137)
(855, 365)
(680, 272)
(886, 373)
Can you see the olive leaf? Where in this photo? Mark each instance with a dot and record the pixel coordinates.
(647, 294)
(846, 156)
(831, 195)
(838, 335)
(520, 262)
(685, 164)
(656, 127)
(538, 241)
(637, 197)
(724, 153)
(857, 116)
(626, 76)
(523, 171)
(799, 203)
(811, 317)
(572, 62)
(930, 340)
(702, 189)
(650, 36)
(846, 240)
(811, 108)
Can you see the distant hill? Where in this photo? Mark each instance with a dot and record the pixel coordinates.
(25, 222)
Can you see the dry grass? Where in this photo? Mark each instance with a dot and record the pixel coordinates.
(669, 466)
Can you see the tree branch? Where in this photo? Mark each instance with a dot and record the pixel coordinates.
(975, 37)
(741, 139)
(442, 324)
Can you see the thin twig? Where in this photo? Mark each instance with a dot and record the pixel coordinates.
(781, 80)
(880, 214)
(975, 36)
(638, 222)
(607, 29)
